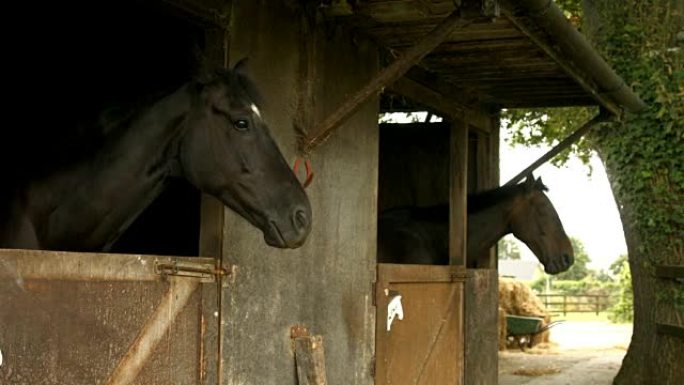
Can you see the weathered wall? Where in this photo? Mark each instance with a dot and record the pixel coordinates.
(481, 322)
(326, 284)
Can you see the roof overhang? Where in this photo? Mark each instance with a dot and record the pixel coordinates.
(527, 56)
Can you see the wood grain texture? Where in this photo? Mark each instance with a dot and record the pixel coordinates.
(76, 328)
(481, 316)
(458, 218)
(325, 284)
(426, 346)
(310, 359)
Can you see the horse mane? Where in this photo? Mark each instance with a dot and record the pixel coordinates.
(485, 199)
(476, 202)
(233, 77)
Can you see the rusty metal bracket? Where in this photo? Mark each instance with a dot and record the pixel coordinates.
(206, 272)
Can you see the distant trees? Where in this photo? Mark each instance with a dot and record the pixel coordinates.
(580, 279)
(623, 310)
(579, 269)
(508, 249)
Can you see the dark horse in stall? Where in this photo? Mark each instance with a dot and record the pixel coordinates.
(208, 131)
(421, 235)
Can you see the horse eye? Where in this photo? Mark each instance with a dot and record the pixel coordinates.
(241, 124)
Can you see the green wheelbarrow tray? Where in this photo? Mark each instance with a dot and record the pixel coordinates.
(517, 324)
(523, 328)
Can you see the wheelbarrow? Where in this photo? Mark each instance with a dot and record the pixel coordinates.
(523, 329)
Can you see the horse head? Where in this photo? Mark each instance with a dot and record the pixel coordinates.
(535, 221)
(227, 151)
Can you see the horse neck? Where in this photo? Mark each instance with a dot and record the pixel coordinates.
(111, 188)
(487, 225)
(151, 140)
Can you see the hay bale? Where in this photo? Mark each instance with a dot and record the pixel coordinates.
(536, 372)
(502, 329)
(517, 298)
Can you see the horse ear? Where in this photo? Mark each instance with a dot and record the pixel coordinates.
(241, 74)
(240, 67)
(540, 185)
(529, 182)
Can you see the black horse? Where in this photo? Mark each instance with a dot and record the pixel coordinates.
(421, 235)
(208, 131)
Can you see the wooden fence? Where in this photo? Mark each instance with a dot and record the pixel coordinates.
(576, 303)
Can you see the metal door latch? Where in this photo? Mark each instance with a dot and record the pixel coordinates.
(189, 269)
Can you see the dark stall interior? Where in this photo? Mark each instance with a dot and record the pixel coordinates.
(414, 169)
(414, 165)
(71, 62)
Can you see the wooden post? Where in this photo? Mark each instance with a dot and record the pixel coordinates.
(211, 227)
(458, 216)
(310, 360)
(212, 221)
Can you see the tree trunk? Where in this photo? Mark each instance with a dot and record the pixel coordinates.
(644, 159)
(651, 358)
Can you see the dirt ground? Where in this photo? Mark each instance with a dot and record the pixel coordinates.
(580, 353)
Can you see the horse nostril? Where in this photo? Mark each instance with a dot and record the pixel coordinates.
(301, 220)
(567, 259)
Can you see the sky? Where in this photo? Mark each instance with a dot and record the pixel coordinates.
(584, 203)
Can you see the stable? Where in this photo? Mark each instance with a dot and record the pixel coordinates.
(246, 313)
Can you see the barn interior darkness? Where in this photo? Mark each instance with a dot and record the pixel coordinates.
(81, 58)
(414, 163)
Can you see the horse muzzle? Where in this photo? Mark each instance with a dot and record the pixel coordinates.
(291, 232)
(559, 264)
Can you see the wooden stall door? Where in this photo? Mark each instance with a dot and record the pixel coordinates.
(426, 346)
(88, 319)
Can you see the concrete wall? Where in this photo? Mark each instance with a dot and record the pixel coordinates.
(326, 284)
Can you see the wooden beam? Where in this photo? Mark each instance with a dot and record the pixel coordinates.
(442, 104)
(565, 143)
(487, 160)
(153, 331)
(670, 330)
(387, 76)
(569, 69)
(458, 211)
(670, 271)
(494, 173)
